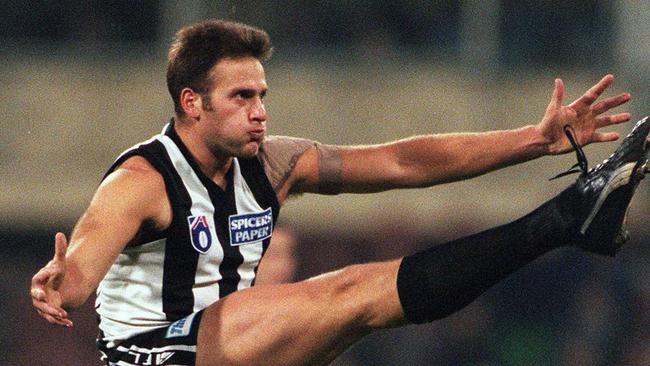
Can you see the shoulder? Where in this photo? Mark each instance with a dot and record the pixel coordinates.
(137, 188)
(136, 168)
(135, 180)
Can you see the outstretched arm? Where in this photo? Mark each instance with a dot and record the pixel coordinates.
(432, 159)
(131, 195)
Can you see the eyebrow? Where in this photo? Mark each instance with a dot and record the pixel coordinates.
(246, 90)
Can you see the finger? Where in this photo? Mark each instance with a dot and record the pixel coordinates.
(49, 318)
(64, 322)
(614, 119)
(558, 94)
(38, 294)
(52, 316)
(609, 103)
(594, 92)
(605, 136)
(60, 246)
(50, 309)
(41, 277)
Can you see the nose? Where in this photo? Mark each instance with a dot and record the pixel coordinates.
(258, 111)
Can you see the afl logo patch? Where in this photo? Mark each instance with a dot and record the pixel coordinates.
(200, 233)
(251, 227)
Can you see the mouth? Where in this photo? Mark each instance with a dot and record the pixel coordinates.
(256, 136)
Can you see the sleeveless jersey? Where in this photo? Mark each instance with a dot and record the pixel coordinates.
(212, 247)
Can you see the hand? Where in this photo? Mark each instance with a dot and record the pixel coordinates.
(46, 297)
(584, 115)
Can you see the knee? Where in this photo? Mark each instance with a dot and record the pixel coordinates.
(345, 283)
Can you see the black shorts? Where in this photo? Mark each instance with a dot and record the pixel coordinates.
(172, 345)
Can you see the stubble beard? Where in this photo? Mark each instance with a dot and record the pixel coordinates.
(245, 151)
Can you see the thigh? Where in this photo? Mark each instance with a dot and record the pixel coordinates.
(171, 345)
(306, 323)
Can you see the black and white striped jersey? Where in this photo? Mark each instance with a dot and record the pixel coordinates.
(211, 249)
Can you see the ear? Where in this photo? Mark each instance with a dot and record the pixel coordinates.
(190, 102)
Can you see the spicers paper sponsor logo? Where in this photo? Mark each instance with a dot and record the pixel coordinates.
(250, 228)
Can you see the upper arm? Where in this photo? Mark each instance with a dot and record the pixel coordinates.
(131, 195)
(357, 169)
(279, 156)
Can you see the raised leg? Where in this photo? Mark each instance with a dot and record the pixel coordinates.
(305, 323)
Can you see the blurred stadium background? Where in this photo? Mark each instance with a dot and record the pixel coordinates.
(85, 80)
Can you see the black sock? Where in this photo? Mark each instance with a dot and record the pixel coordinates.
(438, 281)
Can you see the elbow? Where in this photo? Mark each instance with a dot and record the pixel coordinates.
(415, 176)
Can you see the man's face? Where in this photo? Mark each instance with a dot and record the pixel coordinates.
(233, 118)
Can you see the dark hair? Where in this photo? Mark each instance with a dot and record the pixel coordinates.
(198, 47)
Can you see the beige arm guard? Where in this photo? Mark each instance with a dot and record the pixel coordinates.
(279, 155)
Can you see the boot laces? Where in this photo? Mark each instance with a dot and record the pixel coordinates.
(582, 166)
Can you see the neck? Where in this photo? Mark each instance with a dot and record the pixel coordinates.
(213, 165)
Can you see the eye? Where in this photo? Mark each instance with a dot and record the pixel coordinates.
(244, 94)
